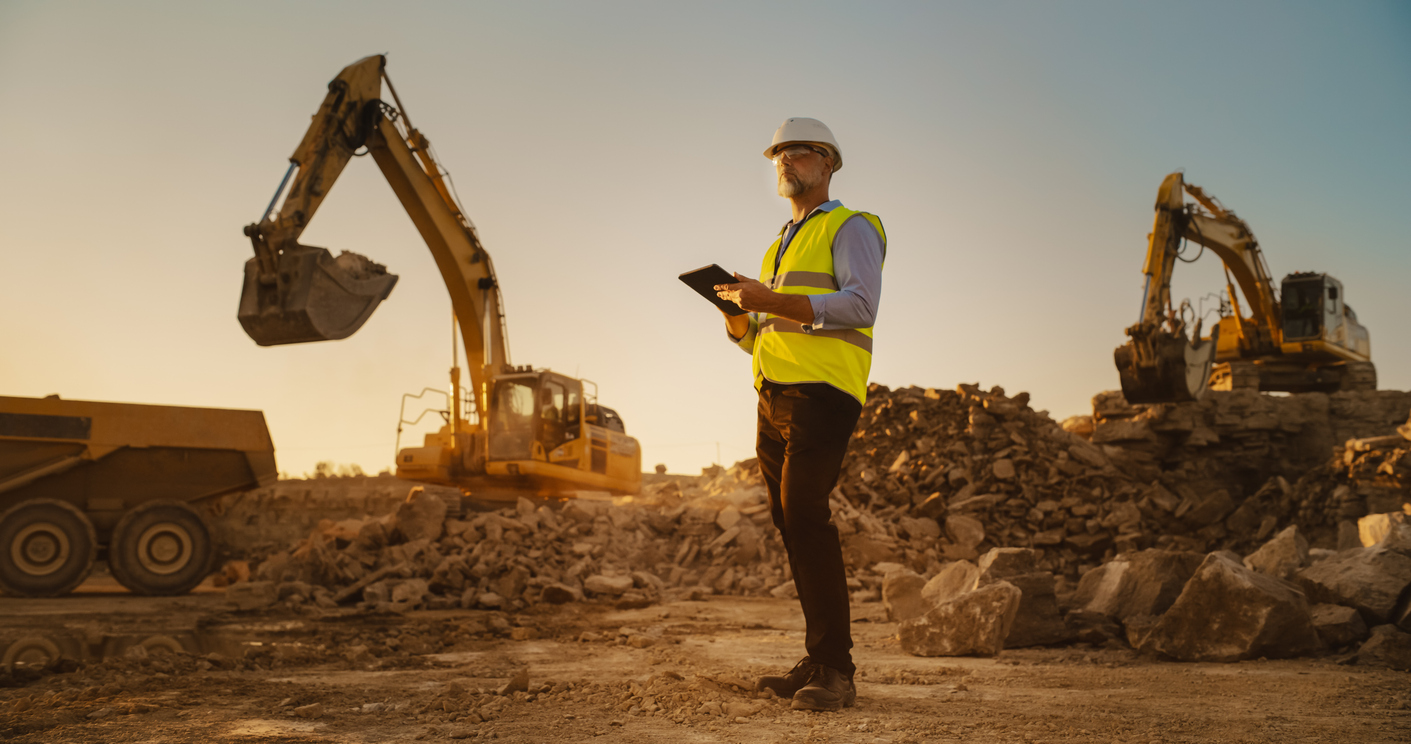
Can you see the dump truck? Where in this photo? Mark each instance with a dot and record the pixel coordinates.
(83, 480)
(515, 429)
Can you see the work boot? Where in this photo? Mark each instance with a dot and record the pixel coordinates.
(790, 683)
(827, 689)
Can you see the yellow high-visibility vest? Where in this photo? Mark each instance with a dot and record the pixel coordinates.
(783, 351)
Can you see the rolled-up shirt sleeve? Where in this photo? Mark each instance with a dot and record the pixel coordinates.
(858, 252)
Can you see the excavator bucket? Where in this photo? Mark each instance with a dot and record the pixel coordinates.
(1159, 367)
(314, 297)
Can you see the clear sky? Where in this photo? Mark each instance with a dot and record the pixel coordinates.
(1012, 149)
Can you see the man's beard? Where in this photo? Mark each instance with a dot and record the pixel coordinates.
(793, 184)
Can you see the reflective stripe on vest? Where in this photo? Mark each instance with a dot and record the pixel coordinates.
(783, 351)
(848, 335)
(815, 279)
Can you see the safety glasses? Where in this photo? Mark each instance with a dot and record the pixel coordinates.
(794, 152)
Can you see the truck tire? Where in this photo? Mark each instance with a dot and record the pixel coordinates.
(161, 548)
(34, 652)
(47, 548)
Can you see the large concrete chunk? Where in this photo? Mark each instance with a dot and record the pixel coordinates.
(1038, 621)
(1388, 647)
(421, 517)
(1397, 538)
(1373, 527)
(951, 581)
(965, 534)
(1145, 583)
(1227, 612)
(1282, 556)
(609, 585)
(901, 595)
(974, 623)
(1370, 579)
(1001, 562)
(1338, 626)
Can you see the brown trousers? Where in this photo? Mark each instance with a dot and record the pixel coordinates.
(803, 434)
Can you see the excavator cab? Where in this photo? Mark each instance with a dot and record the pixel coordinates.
(1303, 302)
(312, 296)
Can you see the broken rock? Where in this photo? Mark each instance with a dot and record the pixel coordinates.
(1338, 626)
(1227, 612)
(408, 595)
(951, 581)
(252, 595)
(1370, 579)
(974, 623)
(1388, 647)
(901, 595)
(610, 585)
(421, 517)
(1092, 627)
(966, 532)
(1281, 557)
(559, 594)
(1037, 621)
(1373, 527)
(518, 683)
(1144, 583)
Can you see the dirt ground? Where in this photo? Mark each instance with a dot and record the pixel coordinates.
(677, 672)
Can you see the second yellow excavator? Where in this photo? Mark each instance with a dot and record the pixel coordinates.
(516, 429)
(1304, 338)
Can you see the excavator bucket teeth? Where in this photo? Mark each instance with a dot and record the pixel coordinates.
(1174, 371)
(315, 297)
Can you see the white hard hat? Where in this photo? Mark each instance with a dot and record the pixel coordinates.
(799, 129)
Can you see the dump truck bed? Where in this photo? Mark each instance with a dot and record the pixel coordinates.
(108, 457)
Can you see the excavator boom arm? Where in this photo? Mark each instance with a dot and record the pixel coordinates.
(295, 293)
(1230, 239)
(465, 265)
(338, 129)
(1222, 232)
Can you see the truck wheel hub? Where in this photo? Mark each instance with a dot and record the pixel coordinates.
(164, 548)
(40, 549)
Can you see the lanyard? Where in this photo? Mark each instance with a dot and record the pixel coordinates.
(789, 234)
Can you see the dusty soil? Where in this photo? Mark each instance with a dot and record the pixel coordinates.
(671, 672)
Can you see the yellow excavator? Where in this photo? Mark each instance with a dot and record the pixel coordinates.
(516, 429)
(1302, 338)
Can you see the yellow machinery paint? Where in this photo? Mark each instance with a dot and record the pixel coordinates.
(1303, 338)
(78, 477)
(514, 428)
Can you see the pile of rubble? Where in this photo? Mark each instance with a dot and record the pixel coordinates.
(965, 470)
(1195, 477)
(1235, 454)
(945, 494)
(1370, 475)
(1281, 601)
(993, 473)
(676, 540)
(253, 524)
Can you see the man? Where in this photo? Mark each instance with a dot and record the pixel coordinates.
(809, 330)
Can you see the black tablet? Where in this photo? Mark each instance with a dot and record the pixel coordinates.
(704, 279)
